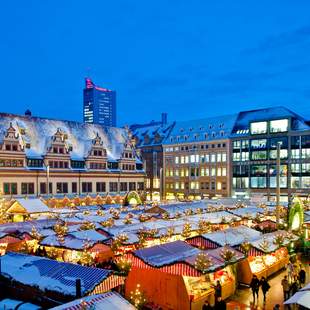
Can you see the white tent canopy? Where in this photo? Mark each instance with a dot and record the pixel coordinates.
(301, 298)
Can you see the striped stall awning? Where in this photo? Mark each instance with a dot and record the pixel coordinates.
(108, 284)
(255, 252)
(202, 243)
(177, 268)
(9, 239)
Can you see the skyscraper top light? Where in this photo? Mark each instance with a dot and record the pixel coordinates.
(99, 104)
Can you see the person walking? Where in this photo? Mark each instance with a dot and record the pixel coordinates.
(255, 287)
(294, 286)
(218, 290)
(286, 288)
(302, 276)
(207, 306)
(220, 304)
(265, 287)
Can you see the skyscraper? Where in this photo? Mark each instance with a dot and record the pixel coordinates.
(99, 104)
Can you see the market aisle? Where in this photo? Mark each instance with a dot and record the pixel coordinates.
(274, 296)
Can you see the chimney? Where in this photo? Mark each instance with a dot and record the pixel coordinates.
(164, 118)
(78, 291)
(27, 112)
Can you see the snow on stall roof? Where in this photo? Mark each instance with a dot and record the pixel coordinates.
(27, 226)
(33, 205)
(233, 236)
(51, 275)
(107, 301)
(248, 211)
(12, 304)
(39, 131)
(167, 253)
(270, 237)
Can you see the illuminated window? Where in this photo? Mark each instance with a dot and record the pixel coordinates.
(280, 125)
(219, 186)
(258, 128)
(224, 172)
(219, 172)
(176, 160)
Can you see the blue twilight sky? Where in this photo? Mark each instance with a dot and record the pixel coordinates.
(192, 59)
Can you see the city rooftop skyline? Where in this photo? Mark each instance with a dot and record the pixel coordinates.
(215, 58)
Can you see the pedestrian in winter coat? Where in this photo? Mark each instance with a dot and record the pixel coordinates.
(286, 288)
(220, 304)
(207, 306)
(255, 287)
(218, 290)
(302, 276)
(265, 287)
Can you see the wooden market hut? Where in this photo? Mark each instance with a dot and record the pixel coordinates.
(168, 276)
(233, 236)
(71, 248)
(265, 256)
(49, 283)
(10, 242)
(22, 209)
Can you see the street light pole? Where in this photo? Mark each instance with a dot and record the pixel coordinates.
(278, 185)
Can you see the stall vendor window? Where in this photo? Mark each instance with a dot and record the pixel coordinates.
(280, 125)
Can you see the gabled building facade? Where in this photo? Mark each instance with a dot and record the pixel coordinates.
(149, 140)
(40, 156)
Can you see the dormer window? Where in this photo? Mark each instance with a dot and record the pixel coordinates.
(213, 134)
(181, 130)
(190, 129)
(222, 133)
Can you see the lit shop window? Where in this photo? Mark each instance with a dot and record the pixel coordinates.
(258, 128)
(224, 172)
(280, 125)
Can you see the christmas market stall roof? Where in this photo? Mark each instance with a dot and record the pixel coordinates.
(21, 227)
(233, 236)
(51, 275)
(249, 212)
(75, 240)
(12, 304)
(37, 133)
(107, 301)
(28, 206)
(183, 255)
(266, 243)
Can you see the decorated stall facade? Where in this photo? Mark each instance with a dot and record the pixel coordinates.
(266, 255)
(178, 276)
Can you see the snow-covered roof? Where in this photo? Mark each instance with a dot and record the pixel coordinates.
(269, 238)
(242, 125)
(12, 304)
(200, 130)
(167, 253)
(152, 133)
(107, 301)
(233, 236)
(31, 205)
(51, 275)
(27, 226)
(38, 132)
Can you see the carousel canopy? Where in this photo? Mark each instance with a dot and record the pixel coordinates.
(107, 301)
(300, 298)
(51, 275)
(233, 236)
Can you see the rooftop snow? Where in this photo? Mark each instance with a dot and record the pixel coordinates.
(107, 301)
(207, 129)
(39, 131)
(51, 275)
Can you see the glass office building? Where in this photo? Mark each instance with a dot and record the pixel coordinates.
(99, 104)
